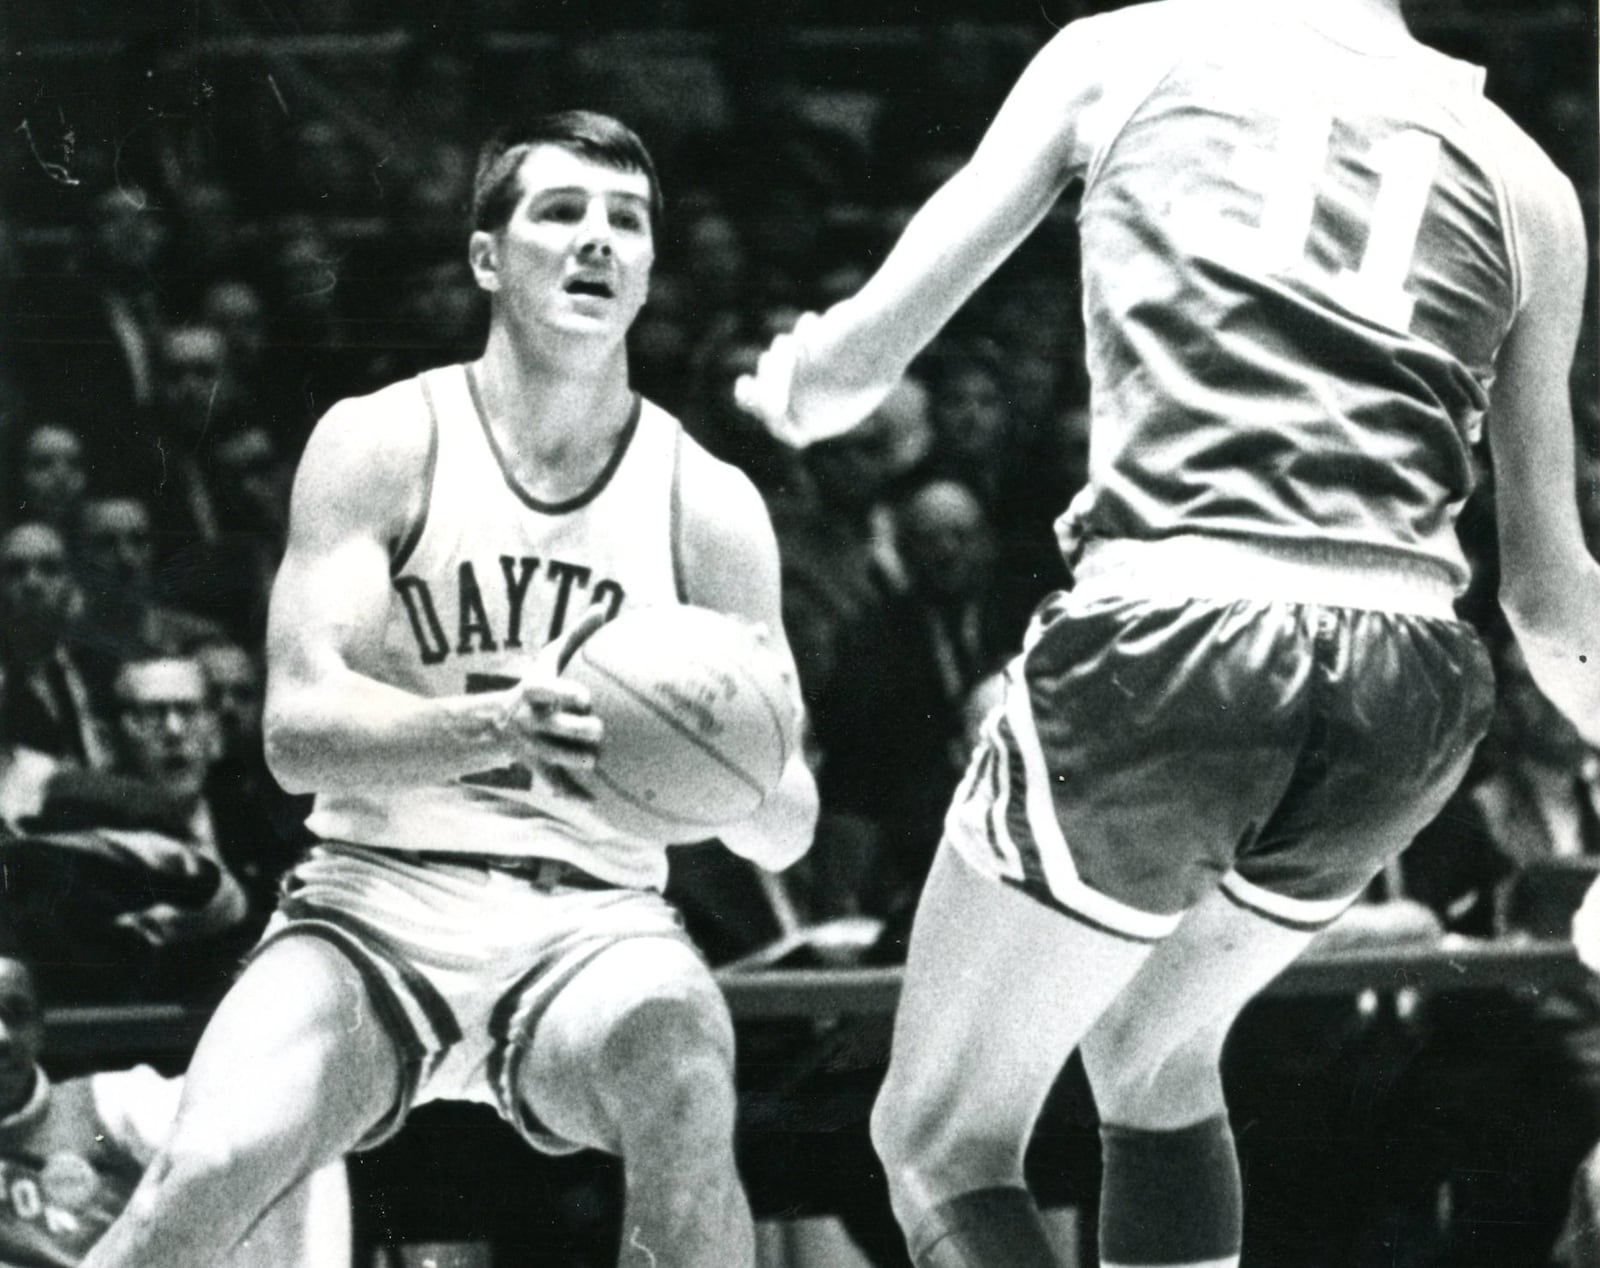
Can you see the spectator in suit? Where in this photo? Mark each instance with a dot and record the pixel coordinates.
(149, 906)
(114, 553)
(891, 722)
(89, 340)
(167, 737)
(45, 703)
(250, 809)
(51, 475)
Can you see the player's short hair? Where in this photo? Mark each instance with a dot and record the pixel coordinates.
(596, 137)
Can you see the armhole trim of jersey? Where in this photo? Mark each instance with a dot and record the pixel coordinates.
(408, 544)
(1121, 119)
(680, 582)
(1513, 237)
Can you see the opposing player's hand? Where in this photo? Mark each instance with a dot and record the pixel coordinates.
(551, 719)
(790, 396)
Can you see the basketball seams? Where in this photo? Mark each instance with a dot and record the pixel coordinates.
(649, 807)
(665, 716)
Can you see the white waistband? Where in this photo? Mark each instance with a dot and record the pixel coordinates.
(1332, 574)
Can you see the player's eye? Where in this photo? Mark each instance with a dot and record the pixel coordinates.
(629, 219)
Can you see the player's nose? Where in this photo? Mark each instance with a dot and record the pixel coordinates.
(594, 233)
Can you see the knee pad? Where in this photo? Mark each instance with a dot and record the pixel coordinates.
(1170, 1197)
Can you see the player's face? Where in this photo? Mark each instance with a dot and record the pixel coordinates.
(21, 1033)
(576, 252)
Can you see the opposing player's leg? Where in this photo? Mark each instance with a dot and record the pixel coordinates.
(1171, 1193)
(635, 1056)
(998, 991)
(293, 1069)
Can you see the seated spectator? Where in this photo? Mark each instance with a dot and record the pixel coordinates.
(73, 1151)
(51, 476)
(166, 736)
(195, 398)
(250, 808)
(840, 544)
(114, 550)
(128, 889)
(88, 340)
(45, 703)
(891, 724)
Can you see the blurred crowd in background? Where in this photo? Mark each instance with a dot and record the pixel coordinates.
(214, 223)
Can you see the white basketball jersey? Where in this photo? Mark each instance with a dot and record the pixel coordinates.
(489, 576)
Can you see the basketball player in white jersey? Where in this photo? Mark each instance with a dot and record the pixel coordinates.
(1311, 248)
(467, 927)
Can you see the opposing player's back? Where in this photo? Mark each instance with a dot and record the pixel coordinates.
(1299, 267)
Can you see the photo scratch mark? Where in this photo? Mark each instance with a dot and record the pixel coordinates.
(633, 1241)
(55, 171)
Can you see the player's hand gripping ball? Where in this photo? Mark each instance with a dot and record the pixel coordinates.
(698, 718)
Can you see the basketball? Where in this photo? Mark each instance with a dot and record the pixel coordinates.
(698, 720)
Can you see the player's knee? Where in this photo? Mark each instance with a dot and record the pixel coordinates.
(667, 1065)
(929, 1153)
(1141, 1080)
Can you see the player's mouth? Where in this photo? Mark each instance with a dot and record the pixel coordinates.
(595, 287)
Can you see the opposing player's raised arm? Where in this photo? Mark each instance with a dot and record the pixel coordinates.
(730, 563)
(1550, 584)
(328, 726)
(833, 370)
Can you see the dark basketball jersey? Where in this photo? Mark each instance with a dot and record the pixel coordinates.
(1299, 265)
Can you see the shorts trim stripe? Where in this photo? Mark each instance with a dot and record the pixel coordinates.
(1045, 835)
(1308, 914)
(392, 1013)
(1072, 913)
(440, 1021)
(511, 1027)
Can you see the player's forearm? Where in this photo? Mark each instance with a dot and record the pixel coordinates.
(346, 730)
(781, 831)
(960, 236)
(1557, 626)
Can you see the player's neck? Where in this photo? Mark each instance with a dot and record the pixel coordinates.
(556, 418)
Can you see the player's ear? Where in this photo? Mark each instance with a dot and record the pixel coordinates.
(483, 253)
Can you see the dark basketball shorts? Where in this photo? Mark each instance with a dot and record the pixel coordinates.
(460, 963)
(1151, 749)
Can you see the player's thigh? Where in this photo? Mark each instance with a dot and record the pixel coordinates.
(1151, 1056)
(294, 1066)
(639, 1020)
(998, 990)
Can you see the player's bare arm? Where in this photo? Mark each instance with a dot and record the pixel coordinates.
(358, 489)
(730, 559)
(1550, 584)
(833, 370)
